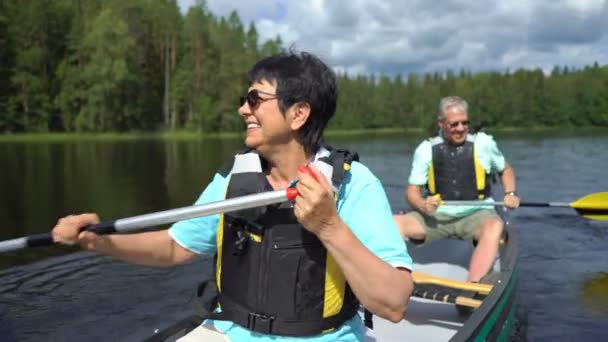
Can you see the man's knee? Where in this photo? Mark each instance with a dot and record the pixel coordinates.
(490, 228)
(409, 226)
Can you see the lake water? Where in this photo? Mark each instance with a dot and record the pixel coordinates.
(62, 294)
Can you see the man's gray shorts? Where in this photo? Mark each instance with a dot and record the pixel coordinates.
(440, 226)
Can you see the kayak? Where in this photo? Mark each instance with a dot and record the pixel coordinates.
(432, 314)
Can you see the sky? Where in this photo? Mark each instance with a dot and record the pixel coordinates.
(418, 36)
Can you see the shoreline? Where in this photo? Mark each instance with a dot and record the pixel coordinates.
(189, 135)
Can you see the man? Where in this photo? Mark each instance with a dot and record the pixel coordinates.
(297, 270)
(457, 165)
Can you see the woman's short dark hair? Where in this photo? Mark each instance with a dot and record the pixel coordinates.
(301, 77)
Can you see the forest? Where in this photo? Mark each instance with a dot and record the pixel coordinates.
(142, 66)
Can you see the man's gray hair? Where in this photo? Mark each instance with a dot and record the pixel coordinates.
(451, 101)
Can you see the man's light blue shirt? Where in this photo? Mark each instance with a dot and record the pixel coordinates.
(488, 154)
(362, 205)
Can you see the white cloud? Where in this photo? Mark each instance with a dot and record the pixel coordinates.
(402, 36)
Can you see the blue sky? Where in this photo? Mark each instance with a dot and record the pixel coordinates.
(403, 36)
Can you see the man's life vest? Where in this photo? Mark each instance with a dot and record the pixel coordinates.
(455, 172)
(272, 275)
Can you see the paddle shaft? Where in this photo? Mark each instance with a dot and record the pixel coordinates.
(522, 204)
(592, 206)
(162, 217)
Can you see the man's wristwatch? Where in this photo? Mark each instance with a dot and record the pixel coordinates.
(510, 193)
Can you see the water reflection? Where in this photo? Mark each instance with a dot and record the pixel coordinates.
(563, 271)
(42, 182)
(594, 293)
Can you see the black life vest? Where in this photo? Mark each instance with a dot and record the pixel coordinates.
(272, 275)
(455, 172)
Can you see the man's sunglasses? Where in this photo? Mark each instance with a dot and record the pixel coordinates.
(253, 98)
(456, 123)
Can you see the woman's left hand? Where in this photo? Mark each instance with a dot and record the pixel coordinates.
(315, 206)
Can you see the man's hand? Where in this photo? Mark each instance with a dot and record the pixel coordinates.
(430, 205)
(511, 201)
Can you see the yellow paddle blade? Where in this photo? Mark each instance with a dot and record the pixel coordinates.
(593, 206)
(598, 200)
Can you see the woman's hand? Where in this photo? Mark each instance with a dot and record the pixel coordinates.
(315, 206)
(69, 231)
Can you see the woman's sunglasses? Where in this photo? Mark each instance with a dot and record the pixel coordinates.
(456, 123)
(253, 98)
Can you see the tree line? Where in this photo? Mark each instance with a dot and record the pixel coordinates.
(567, 97)
(141, 65)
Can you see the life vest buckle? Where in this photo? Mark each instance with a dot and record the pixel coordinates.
(241, 227)
(260, 323)
(241, 242)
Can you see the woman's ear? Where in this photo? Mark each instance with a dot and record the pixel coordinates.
(301, 112)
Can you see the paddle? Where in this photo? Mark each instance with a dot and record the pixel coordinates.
(593, 206)
(446, 297)
(162, 217)
(423, 278)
